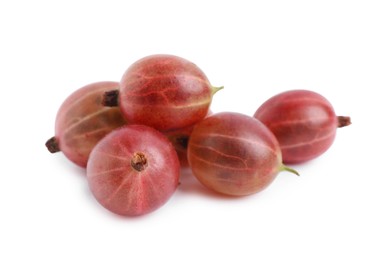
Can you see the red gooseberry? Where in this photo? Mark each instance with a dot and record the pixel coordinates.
(133, 170)
(180, 139)
(304, 123)
(163, 91)
(234, 154)
(82, 121)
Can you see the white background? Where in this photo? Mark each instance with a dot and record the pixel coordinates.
(336, 209)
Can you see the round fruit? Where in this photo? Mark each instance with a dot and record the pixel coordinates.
(180, 140)
(234, 154)
(133, 170)
(163, 91)
(304, 123)
(82, 121)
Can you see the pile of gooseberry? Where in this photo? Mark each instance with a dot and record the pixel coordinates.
(135, 136)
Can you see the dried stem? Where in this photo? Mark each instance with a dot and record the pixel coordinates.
(52, 145)
(111, 98)
(343, 121)
(139, 161)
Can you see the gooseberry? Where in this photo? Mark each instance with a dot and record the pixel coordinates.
(304, 122)
(234, 154)
(133, 170)
(163, 91)
(180, 139)
(82, 121)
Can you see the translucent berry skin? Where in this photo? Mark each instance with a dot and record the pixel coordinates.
(82, 121)
(133, 170)
(165, 92)
(234, 154)
(304, 122)
(179, 139)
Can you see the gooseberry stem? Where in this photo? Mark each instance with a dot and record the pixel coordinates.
(343, 121)
(52, 145)
(111, 98)
(288, 169)
(216, 89)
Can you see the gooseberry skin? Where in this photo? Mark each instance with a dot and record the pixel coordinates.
(82, 121)
(165, 92)
(180, 140)
(234, 154)
(304, 122)
(133, 170)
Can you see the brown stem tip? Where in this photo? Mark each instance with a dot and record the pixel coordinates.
(343, 121)
(139, 161)
(52, 145)
(111, 98)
